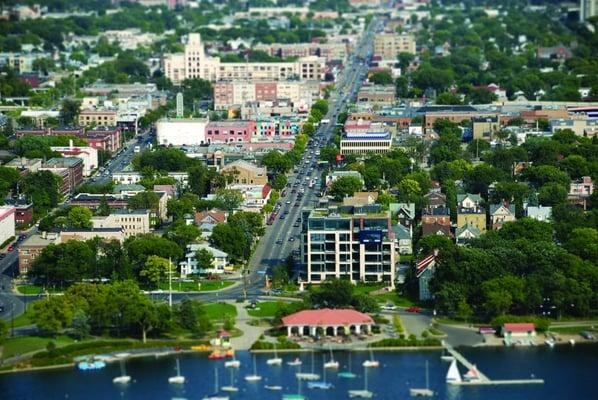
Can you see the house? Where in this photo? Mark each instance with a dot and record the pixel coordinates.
(212, 217)
(539, 213)
(580, 190)
(190, 265)
(245, 173)
(469, 211)
(330, 178)
(466, 233)
(435, 199)
(501, 213)
(254, 196)
(436, 228)
(424, 272)
(403, 241)
(404, 212)
(522, 332)
(436, 221)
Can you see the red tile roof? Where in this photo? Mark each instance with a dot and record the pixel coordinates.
(327, 316)
(519, 327)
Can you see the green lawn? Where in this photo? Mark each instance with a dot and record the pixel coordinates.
(26, 318)
(26, 344)
(206, 286)
(573, 330)
(35, 289)
(362, 288)
(219, 311)
(264, 309)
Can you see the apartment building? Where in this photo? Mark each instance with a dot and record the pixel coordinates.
(389, 45)
(69, 169)
(104, 138)
(7, 223)
(329, 51)
(237, 93)
(88, 155)
(97, 118)
(195, 63)
(181, 132)
(348, 242)
(132, 222)
(277, 127)
(365, 139)
(229, 131)
(243, 172)
(377, 95)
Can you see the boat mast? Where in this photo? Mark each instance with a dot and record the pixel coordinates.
(427, 377)
(215, 380)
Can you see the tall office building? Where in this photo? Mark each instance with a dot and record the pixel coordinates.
(587, 9)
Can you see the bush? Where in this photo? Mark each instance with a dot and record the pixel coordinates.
(398, 324)
(380, 319)
(425, 334)
(406, 342)
(283, 344)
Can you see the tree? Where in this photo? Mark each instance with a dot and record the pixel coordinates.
(280, 276)
(205, 259)
(276, 162)
(279, 182)
(52, 315)
(552, 194)
(230, 199)
(482, 96)
(404, 61)
(147, 200)
(80, 324)
(345, 186)
(335, 293)
(79, 217)
(3, 331)
(154, 270)
(140, 247)
(329, 153)
(69, 111)
(182, 233)
(42, 188)
(188, 315)
(481, 177)
(583, 242)
(381, 78)
(232, 240)
(251, 223)
(448, 98)
(103, 209)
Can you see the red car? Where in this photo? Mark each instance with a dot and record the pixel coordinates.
(11, 247)
(414, 309)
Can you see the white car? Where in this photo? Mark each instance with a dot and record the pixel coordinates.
(389, 307)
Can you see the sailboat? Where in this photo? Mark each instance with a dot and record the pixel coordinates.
(253, 377)
(231, 387)
(371, 363)
(178, 379)
(453, 376)
(363, 393)
(446, 356)
(331, 364)
(295, 363)
(308, 376)
(273, 387)
(294, 396)
(423, 392)
(276, 360)
(215, 396)
(320, 384)
(472, 375)
(123, 378)
(347, 374)
(234, 363)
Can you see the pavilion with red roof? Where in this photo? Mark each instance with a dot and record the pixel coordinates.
(327, 321)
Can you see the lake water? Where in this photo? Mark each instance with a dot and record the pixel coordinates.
(569, 373)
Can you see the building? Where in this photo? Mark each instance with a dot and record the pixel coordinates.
(131, 222)
(587, 9)
(539, 213)
(364, 143)
(7, 223)
(435, 199)
(181, 132)
(104, 138)
(485, 127)
(246, 173)
(581, 190)
(212, 217)
(436, 221)
(25, 165)
(469, 211)
(326, 321)
(69, 169)
(234, 94)
(403, 212)
(229, 131)
(195, 63)
(580, 125)
(424, 271)
(190, 265)
(501, 213)
(277, 127)
(354, 243)
(254, 196)
(133, 177)
(330, 178)
(466, 233)
(97, 118)
(32, 247)
(88, 155)
(360, 199)
(105, 234)
(377, 94)
(403, 239)
(558, 52)
(23, 210)
(389, 45)
(118, 201)
(519, 332)
(329, 51)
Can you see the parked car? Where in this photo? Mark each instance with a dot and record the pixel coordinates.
(587, 335)
(389, 307)
(414, 309)
(11, 247)
(2, 255)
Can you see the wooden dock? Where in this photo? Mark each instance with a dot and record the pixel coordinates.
(484, 380)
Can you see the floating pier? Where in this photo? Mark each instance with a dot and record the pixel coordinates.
(483, 379)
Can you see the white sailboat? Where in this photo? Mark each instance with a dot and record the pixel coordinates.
(453, 376)
(216, 396)
(253, 377)
(308, 376)
(347, 374)
(320, 384)
(231, 387)
(178, 379)
(272, 387)
(234, 363)
(295, 363)
(276, 360)
(362, 393)
(332, 363)
(123, 378)
(423, 392)
(371, 363)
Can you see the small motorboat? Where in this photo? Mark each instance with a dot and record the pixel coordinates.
(178, 379)
(549, 343)
(371, 363)
(572, 342)
(123, 379)
(273, 387)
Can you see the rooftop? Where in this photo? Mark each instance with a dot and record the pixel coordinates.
(327, 316)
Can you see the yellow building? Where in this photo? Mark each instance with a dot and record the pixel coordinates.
(389, 45)
(246, 173)
(476, 218)
(485, 127)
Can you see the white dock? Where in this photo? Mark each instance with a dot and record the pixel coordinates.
(484, 380)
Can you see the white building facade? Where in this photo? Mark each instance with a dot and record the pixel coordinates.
(181, 132)
(7, 223)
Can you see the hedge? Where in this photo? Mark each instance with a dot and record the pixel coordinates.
(281, 345)
(429, 342)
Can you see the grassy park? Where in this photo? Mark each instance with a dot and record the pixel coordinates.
(220, 311)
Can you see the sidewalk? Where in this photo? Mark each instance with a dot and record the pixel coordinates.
(250, 333)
